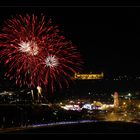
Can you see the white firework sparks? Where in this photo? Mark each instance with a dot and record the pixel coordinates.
(29, 47)
(51, 61)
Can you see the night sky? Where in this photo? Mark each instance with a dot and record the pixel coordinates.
(107, 37)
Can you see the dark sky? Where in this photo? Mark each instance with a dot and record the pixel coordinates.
(107, 37)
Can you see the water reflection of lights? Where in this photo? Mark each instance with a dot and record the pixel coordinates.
(63, 123)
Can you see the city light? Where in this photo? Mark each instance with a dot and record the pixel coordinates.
(88, 76)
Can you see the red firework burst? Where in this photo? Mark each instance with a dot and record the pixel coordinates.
(36, 53)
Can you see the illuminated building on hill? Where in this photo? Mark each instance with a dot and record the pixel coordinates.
(88, 76)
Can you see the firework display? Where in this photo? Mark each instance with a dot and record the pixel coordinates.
(35, 52)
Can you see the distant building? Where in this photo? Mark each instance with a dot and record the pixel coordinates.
(39, 89)
(116, 100)
(88, 76)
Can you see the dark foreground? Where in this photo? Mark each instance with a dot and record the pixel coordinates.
(86, 128)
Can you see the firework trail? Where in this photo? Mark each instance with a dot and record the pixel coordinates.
(36, 53)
